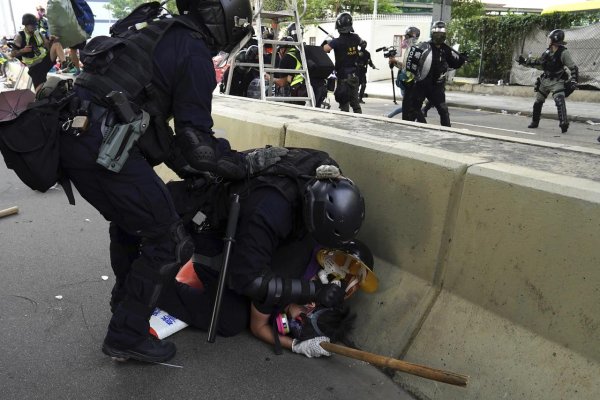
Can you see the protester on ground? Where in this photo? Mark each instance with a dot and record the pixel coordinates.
(430, 82)
(148, 241)
(554, 79)
(345, 49)
(35, 51)
(364, 61)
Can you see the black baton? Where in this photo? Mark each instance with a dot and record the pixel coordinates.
(234, 213)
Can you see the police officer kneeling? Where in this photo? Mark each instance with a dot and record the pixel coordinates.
(148, 243)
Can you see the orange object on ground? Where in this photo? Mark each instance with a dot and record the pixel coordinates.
(188, 276)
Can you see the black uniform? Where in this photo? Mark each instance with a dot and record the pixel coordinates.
(431, 84)
(364, 61)
(148, 241)
(345, 48)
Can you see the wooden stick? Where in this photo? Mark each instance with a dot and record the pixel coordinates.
(388, 362)
(9, 211)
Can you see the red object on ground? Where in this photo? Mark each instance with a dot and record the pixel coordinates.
(188, 276)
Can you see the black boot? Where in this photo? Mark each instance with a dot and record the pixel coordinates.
(148, 350)
(537, 113)
(561, 107)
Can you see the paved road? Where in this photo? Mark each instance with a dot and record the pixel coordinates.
(54, 313)
(503, 124)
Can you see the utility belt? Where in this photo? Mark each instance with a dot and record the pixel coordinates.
(555, 75)
(121, 128)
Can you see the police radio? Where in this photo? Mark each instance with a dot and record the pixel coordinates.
(124, 131)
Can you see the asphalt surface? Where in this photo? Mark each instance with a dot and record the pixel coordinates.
(577, 110)
(55, 281)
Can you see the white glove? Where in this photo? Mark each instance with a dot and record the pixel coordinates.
(311, 347)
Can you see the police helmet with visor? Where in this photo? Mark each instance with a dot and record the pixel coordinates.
(438, 32)
(343, 23)
(557, 36)
(225, 21)
(334, 210)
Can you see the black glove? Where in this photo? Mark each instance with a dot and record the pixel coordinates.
(521, 60)
(329, 295)
(570, 87)
(260, 159)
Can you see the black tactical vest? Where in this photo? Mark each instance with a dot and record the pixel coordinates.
(124, 63)
(552, 63)
(346, 55)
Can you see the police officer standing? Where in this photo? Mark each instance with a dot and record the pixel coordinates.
(555, 79)
(364, 61)
(406, 79)
(345, 48)
(431, 80)
(148, 243)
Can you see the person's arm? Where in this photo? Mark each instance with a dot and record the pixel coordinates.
(567, 60)
(18, 50)
(262, 329)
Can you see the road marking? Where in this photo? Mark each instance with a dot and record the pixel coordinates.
(498, 129)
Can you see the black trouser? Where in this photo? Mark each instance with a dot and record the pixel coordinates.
(411, 110)
(435, 92)
(362, 80)
(141, 211)
(352, 82)
(195, 306)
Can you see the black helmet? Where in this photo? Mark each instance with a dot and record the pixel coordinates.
(363, 44)
(334, 210)
(557, 36)
(227, 21)
(29, 19)
(438, 32)
(343, 23)
(413, 32)
(293, 32)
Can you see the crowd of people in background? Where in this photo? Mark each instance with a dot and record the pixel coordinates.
(40, 50)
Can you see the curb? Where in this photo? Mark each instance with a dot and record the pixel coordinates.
(545, 115)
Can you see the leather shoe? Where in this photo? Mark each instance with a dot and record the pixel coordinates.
(150, 349)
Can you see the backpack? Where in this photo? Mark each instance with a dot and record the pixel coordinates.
(30, 142)
(84, 15)
(143, 13)
(63, 23)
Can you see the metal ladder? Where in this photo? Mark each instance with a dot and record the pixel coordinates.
(286, 11)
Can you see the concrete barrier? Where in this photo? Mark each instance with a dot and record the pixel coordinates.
(488, 263)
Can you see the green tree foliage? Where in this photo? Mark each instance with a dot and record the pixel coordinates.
(321, 9)
(120, 8)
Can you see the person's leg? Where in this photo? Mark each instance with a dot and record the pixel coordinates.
(540, 98)
(362, 80)
(395, 112)
(561, 108)
(137, 201)
(438, 99)
(57, 52)
(353, 89)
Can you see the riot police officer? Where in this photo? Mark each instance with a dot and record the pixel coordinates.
(282, 213)
(431, 79)
(364, 61)
(148, 241)
(406, 79)
(554, 79)
(345, 48)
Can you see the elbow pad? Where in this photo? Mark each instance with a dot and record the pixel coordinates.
(275, 291)
(197, 148)
(574, 73)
